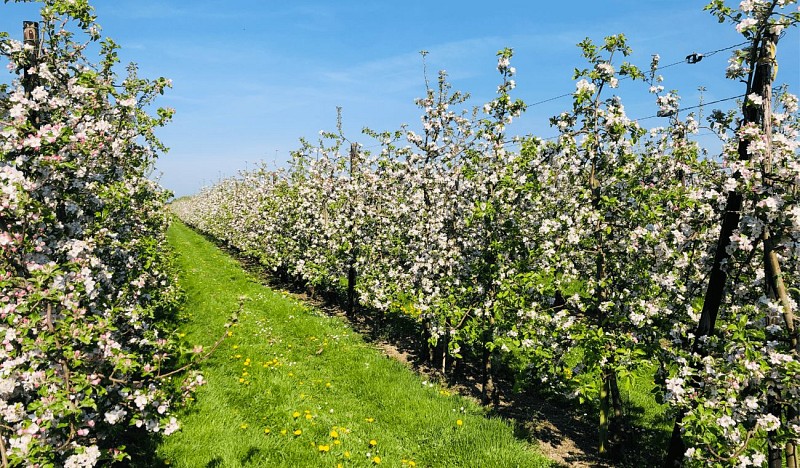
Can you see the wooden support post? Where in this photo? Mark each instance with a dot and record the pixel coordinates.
(30, 34)
(761, 84)
(353, 253)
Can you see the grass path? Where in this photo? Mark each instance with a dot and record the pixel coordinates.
(292, 387)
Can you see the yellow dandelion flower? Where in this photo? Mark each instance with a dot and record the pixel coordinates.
(373, 442)
(376, 460)
(459, 423)
(296, 414)
(334, 434)
(412, 463)
(347, 454)
(230, 333)
(337, 442)
(284, 431)
(328, 385)
(236, 346)
(241, 380)
(266, 430)
(243, 426)
(297, 432)
(369, 420)
(308, 416)
(324, 448)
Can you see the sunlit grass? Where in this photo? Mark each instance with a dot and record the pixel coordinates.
(293, 387)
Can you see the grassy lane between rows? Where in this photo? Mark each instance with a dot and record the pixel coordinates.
(293, 387)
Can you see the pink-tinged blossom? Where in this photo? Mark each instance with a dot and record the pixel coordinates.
(726, 422)
(130, 102)
(17, 111)
(746, 25)
(87, 457)
(755, 99)
(39, 93)
(172, 426)
(32, 141)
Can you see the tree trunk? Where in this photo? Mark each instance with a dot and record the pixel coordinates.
(488, 393)
(605, 414)
(616, 397)
(774, 451)
(456, 371)
(444, 345)
(487, 389)
(677, 448)
(351, 289)
(791, 448)
(431, 347)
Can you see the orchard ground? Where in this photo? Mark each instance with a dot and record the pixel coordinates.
(293, 386)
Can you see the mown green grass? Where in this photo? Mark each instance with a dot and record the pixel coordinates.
(287, 367)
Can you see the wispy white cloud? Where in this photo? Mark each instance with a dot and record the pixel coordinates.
(153, 10)
(404, 71)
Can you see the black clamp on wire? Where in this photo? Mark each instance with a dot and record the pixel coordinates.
(694, 58)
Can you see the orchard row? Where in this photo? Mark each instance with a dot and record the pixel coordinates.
(87, 287)
(578, 260)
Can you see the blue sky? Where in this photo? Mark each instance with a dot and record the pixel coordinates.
(251, 77)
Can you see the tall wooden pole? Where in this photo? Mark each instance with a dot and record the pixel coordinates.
(761, 85)
(30, 35)
(351, 267)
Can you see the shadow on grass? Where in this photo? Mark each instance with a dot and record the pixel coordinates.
(252, 453)
(143, 450)
(568, 430)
